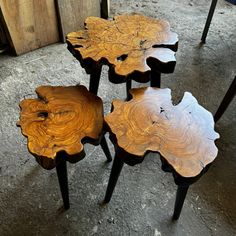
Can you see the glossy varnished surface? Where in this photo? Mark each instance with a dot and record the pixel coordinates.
(183, 134)
(59, 120)
(128, 44)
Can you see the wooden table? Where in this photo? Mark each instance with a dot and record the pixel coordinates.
(57, 126)
(182, 134)
(135, 47)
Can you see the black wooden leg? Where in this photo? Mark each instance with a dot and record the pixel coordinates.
(208, 21)
(179, 201)
(164, 164)
(104, 9)
(106, 149)
(155, 79)
(128, 87)
(93, 88)
(94, 80)
(115, 172)
(226, 100)
(63, 182)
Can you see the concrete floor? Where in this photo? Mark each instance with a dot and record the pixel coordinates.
(143, 201)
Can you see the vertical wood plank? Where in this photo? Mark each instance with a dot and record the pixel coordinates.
(30, 23)
(72, 14)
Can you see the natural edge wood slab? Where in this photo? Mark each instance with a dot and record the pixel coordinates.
(183, 134)
(128, 44)
(60, 120)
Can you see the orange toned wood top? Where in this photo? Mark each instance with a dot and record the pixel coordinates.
(129, 43)
(183, 134)
(59, 120)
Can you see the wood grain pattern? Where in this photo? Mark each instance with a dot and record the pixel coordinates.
(72, 14)
(183, 134)
(129, 44)
(31, 23)
(60, 120)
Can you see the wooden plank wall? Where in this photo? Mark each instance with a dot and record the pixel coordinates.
(72, 14)
(30, 23)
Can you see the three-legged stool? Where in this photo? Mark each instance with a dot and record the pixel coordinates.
(135, 47)
(183, 134)
(58, 124)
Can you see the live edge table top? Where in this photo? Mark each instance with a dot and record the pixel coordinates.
(183, 134)
(61, 119)
(128, 44)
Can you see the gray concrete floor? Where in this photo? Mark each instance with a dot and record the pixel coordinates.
(143, 201)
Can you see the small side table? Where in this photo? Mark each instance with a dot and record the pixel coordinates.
(135, 47)
(183, 134)
(57, 126)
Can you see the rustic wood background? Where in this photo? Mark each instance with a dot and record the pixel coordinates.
(72, 14)
(31, 23)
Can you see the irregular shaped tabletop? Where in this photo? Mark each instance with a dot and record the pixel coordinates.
(59, 120)
(183, 134)
(128, 44)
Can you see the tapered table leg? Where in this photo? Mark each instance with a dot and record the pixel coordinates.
(105, 8)
(179, 201)
(226, 100)
(115, 172)
(93, 88)
(208, 21)
(63, 182)
(128, 87)
(95, 79)
(106, 149)
(155, 79)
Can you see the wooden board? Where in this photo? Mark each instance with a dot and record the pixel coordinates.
(30, 23)
(72, 14)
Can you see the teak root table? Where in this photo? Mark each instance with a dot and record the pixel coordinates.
(183, 134)
(135, 47)
(58, 124)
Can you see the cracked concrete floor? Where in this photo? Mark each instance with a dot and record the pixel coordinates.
(143, 201)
